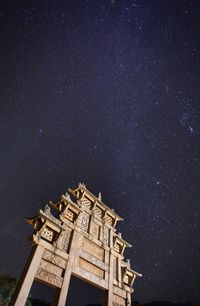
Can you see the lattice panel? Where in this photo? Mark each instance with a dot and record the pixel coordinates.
(98, 212)
(69, 214)
(64, 239)
(47, 234)
(86, 202)
(117, 247)
(84, 221)
(109, 220)
(106, 235)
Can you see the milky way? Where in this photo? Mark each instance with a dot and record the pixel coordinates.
(106, 92)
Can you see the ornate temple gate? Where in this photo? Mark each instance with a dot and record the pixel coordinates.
(81, 240)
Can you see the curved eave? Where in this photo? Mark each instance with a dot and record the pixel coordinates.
(31, 220)
(128, 245)
(137, 274)
(55, 205)
(134, 272)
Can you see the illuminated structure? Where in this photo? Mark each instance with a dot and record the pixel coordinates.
(81, 240)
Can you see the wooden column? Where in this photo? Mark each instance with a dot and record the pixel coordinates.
(128, 298)
(62, 295)
(24, 285)
(110, 282)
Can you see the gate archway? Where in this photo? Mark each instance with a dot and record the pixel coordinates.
(81, 241)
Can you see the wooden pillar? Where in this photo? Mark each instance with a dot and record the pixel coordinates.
(128, 298)
(62, 295)
(24, 285)
(110, 282)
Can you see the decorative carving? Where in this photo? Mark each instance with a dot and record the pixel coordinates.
(119, 291)
(86, 202)
(49, 278)
(98, 212)
(91, 268)
(79, 241)
(76, 250)
(118, 301)
(47, 233)
(50, 267)
(105, 235)
(90, 277)
(57, 260)
(117, 247)
(94, 230)
(92, 259)
(47, 209)
(93, 249)
(64, 240)
(69, 214)
(84, 221)
(109, 220)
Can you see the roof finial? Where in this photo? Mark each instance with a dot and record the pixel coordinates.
(99, 196)
(81, 184)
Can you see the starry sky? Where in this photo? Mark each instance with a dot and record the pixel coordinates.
(106, 93)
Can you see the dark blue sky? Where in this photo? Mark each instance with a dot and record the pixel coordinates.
(106, 92)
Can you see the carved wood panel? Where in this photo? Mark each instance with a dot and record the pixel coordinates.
(118, 300)
(105, 235)
(119, 291)
(86, 202)
(109, 220)
(95, 230)
(49, 278)
(98, 212)
(55, 259)
(69, 214)
(90, 277)
(47, 234)
(50, 267)
(64, 240)
(93, 249)
(84, 221)
(91, 268)
(92, 259)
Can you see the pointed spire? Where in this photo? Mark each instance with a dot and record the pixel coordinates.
(99, 196)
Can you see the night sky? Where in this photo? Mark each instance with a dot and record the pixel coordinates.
(106, 93)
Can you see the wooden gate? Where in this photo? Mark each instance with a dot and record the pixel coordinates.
(80, 239)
